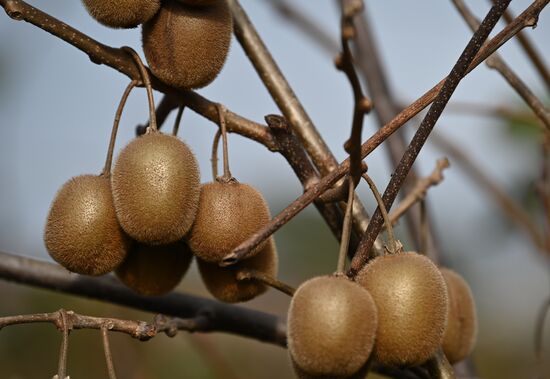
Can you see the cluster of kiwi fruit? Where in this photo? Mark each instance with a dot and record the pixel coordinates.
(185, 42)
(147, 219)
(400, 310)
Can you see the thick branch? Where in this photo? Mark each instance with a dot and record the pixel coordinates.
(220, 317)
(288, 103)
(527, 18)
(122, 61)
(458, 72)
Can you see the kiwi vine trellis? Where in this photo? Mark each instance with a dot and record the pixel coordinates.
(297, 139)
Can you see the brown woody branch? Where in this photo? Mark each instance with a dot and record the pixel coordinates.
(525, 19)
(140, 330)
(122, 62)
(288, 103)
(458, 72)
(496, 62)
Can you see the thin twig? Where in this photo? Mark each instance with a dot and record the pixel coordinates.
(419, 191)
(458, 72)
(109, 160)
(221, 317)
(346, 230)
(531, 51)
(496, 62)
(107, 351)
(266, 279)
(525, 19)
(226, 171)
(63, 321)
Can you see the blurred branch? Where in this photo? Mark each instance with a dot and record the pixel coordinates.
(458, 72)
(539, 337)
(288, 103)
(496, 62)
(419, 191)
(310, 28)
(531, 52)
(514, 212)
(123, 62)
(525, 19)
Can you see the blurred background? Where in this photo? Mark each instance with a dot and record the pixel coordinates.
(57, 110)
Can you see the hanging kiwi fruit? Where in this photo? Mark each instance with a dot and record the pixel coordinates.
(461, 331)
(156, 183)
(224, 282)
(186, 46)
(332, 321)
(122, 13)
(331, 327)
(411, 297)
(82, 232)
(155, 270)
(229, 212)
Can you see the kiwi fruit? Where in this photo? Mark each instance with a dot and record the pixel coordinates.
(301, 374)
(186, 47)
(229, 213)
(82, 232)
(155, 270)
(199, 3)
(411, 297)
(156, 186)
(332, 324)
(461, 331)
(222, 282)
(122, 13)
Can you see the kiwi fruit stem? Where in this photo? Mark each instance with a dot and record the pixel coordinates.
(226, 172)
(423, 228)
(214, 158)
(393, 246)
(439, 367)
(147, 82)
(178, 120)
(267, 280)
(346, 229)
(109, 160)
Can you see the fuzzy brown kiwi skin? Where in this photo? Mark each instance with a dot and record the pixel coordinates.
(82, 232)
(301, 374)
(122, 13)
(199, 3)
(461, 331)
(229, 213)
(156, 184)
(222, 282)
(411, 297)
(332, 325)
(186, 47)
(155, 270)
